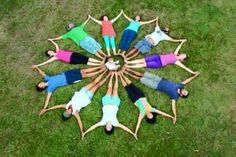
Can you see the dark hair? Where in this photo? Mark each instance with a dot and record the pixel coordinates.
(183, 96)
(106, 60)
(102, 17)
(39, 89)
(46, 53)
(64, 118)
(153, 119)
(109, 132)
(68, 27)
(166, 30)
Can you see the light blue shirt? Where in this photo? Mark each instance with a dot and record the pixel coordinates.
(55, 81)
(134, 26)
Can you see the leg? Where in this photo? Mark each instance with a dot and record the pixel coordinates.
(131, 36)
(122, 80)
(93, 64)
(98, 84)
(115, 88)
(126, 79)
(138, 61)
(135, 72)
(131, 52)
(102, 53)
(132, 75)
(107, 44)
(134, 55)
(113, 45)
(109, 90)
(94, 60)
(122, 42)
(88, 70)
(136, 65)
(98, 55)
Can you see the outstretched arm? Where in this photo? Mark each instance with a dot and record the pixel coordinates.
(92, 128)
(85, 22)
(177, 40)
(178, 48)
(127, 17)
(79, 122)
(127, 130)
(48, 61)
(157, 22)
(55, 44)
(164, 114)
(39, 70)
(140, 118)
(184, 67)
(53, 108)
(46, 103)
(148, 22)
(191, 78)
(117, 17)
(95, 20)
(57, 38)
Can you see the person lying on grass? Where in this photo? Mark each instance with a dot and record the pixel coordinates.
(130, 32)
(157, 61)
(110, 103)
(147, 43)
(80, 100)
(172, 89)
(140, 101)
(68, 57)
(63, 79)
(108, 32)
(81, 38)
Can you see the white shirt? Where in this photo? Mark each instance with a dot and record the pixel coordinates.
(112, 65)
(78, 101)
(158, 35)
(109, 115)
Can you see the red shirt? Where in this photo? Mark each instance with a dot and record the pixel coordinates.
(107, 29)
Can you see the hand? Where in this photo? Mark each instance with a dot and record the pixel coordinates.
(174, 120)
(42, 111)
(89, 15)
(135, 136)
(157, 18)
(49, 39)
(34, 66)
(82, 136)
(184, 40)
(122, 10)
(196, 73)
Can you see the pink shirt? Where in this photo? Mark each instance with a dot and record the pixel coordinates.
(169, 58)
(64, 55)
(107, 29)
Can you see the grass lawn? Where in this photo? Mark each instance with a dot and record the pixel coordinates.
(206, 120)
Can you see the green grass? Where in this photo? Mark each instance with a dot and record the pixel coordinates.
(206, 121)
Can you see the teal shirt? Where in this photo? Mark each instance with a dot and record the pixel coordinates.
(134, 26)
(142, 109)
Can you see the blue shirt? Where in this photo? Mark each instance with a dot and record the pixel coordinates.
(134, 25)
(170, 88)
(63, 79)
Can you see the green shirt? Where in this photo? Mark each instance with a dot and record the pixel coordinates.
(76, 34)
(139, 103)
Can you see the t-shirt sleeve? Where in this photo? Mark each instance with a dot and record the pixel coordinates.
(165, 36)
(157, 29)
(65, 36)
(82, 26)
(115, 122)
(51, 88)
(153, 110)
(181, 85)
(46, 78)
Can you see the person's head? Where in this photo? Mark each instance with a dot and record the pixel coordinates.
(109, 129)
(104, 18)
(183, 93)
(182, 57)
(166, 30)
(70, 26)
(41, 86)
(66, 115)
(151, 117)
(109, 59)
(137, 18)
(50, 53)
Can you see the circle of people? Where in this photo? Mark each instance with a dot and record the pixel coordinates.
(109, 70)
